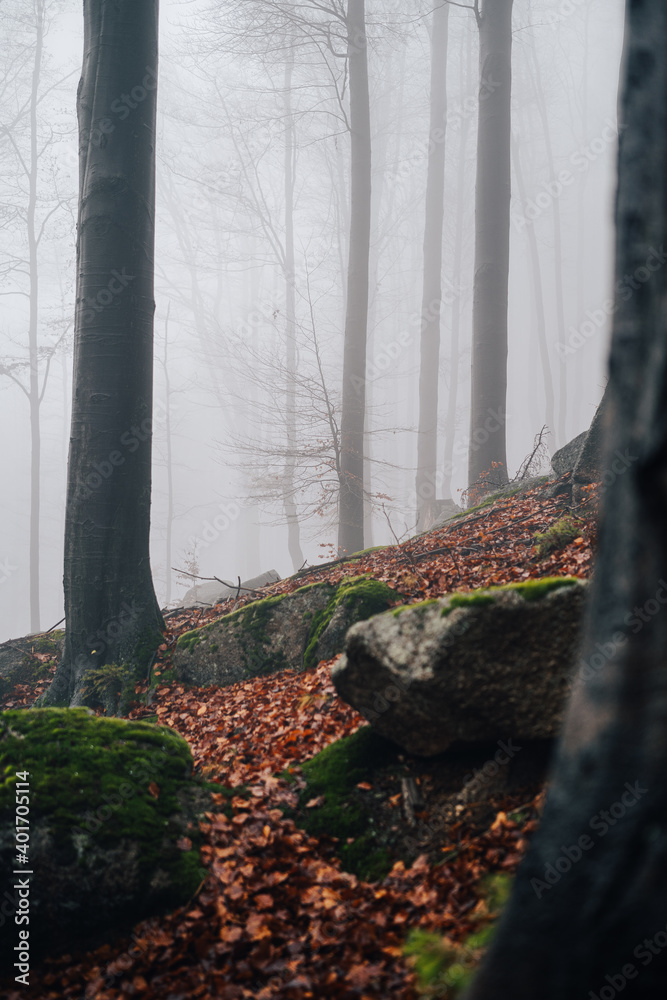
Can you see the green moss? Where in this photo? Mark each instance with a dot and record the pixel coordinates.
(535, 590)
(444, 968)
(189, 640)
(334, 774)
(530, 590)
(557, 537)
(477, 598)
(363, 596)
(213, 648)
(90, 778)
(419, 607)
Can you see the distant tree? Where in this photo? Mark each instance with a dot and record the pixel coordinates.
(112, 613)
(351, 519)
(487, 453)
(427, 446)
(588, 915)
(33, 199)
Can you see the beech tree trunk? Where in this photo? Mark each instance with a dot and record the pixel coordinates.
(429, 370)
(588, 915)
(112, 613)
(351, 506)
(487, 450)
(289, 504)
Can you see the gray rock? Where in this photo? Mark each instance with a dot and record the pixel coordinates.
(565, 459)
(211, 592)
(436, 513)
(25, 660)
(286, 631)
(109, 804)
(589, 467)
(494, 664)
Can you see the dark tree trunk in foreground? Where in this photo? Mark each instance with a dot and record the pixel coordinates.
(429, 371)
(589, 916)
(487, 453)
(112, 613)
(351, 509)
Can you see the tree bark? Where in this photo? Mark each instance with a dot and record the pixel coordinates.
(289, 505)
(538, 295)
(112, 613)
(487, 451)
(351, 506)
(429, 370)
(457, 267)
(34, 394)
(588, 924)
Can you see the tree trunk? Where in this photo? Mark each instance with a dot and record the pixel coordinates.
(112, 614)
(588, 916)
(429, 370)
(561, 429)
(487, 452)
(351, 507)
(34, 389)
(538, 294)
(457, 267)
(289, 505)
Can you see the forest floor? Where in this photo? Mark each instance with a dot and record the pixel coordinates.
(277, 916)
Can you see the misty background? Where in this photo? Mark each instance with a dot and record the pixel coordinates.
(219, 414)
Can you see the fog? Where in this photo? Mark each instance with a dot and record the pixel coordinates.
(219, 423)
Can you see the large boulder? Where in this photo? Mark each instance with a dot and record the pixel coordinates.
(589, 467)
(491, 664)
(111, 833)
(565, 459)
(28, 660)
(212, 592)
(287, 631)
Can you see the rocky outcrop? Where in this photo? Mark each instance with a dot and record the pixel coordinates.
(212, 591)
(113, 823)
(565, 459)
(487, 665)
(286, 631)
(27, 660)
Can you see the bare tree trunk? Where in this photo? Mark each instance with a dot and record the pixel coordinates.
(487, 454)
(351, 509)
(34, 389)
(429, 370)
(112, 613)
(538, 295)
(170, 465)
(588, 915)
(293, 530)
(457, 267)
(561, 429)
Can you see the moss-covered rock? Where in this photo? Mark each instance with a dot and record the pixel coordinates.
(490, 664)
(29, 660)
(113, 833)
(332, 778)
(287, 631)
